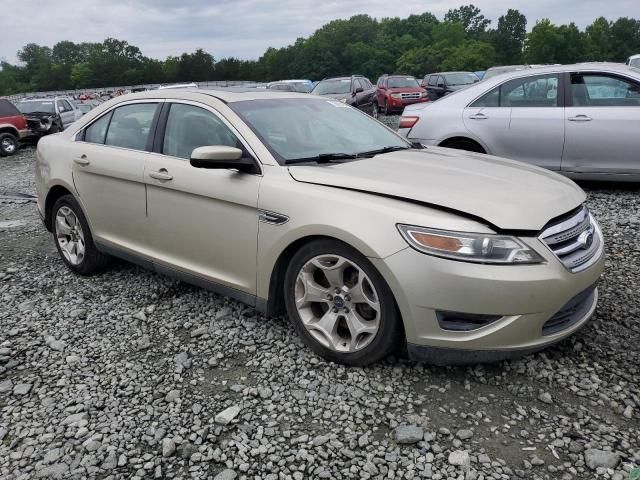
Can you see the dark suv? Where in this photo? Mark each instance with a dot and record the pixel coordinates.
(13, 128)
(442, 83)
(355, 90)
(395, 92)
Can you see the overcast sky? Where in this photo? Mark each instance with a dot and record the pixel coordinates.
(244, 28)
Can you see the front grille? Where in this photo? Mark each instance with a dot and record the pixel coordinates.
(575, 239)
(410, 96)
(574, 310)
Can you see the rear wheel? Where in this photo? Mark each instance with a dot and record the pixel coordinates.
(9, 144)
(464, 144)
(340, 305)
(73, 238)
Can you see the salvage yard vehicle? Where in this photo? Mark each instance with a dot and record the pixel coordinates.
(302, 86)
(443, 83)
(48, 115)
(580, 120)
(13, 128)
(633, 61)
(355, 90)
(394, 92)
(301, 204)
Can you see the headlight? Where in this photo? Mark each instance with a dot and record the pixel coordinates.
(469, 247)
(396, 95)
(343, 100)
(423, 94)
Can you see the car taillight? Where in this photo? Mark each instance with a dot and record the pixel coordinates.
(408, 122)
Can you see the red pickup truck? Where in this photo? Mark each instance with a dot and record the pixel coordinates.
(13, 127)
(394, 92)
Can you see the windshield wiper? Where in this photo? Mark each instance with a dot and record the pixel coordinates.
(391, 148)
(324, 158)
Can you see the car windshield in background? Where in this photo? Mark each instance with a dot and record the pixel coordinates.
(31, 107)
(402, 82)
(306, 128)
(460, 78)
(331, 87)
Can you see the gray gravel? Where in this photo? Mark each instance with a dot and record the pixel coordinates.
(131, 374)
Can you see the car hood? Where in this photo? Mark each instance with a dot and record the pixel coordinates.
(508, 195)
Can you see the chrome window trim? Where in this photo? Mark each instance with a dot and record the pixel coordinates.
(539, 74)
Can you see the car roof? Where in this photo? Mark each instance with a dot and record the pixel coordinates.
(448, 73)
(586, 66)
(226, 95)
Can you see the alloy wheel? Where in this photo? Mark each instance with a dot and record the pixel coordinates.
(8, 146)
(337, 303)
(70, 236)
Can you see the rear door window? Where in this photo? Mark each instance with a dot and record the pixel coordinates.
(130, 126)
(598, 90)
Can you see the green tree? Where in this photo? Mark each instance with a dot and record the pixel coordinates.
(81, 75)
(470, 17)
(473, 55)
(598, 39)
(509, 37)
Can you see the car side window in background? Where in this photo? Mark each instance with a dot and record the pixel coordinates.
(432, 80)
(190, 127)
(360, 84)
(130, 126)
(488, 100)
(537, 91)
(600, 90)
(97, 131)
(440, 82)
(368, 85)
(67, 106)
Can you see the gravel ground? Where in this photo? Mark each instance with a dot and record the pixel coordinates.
(134, 375)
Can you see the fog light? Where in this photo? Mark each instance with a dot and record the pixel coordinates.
(464, 322)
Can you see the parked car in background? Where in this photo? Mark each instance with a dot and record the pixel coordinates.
(48, 115)
(634, 61)
(394, 92)
(302, 86)
(443, 83)
(581, 120)
(298, 204)
(493, 71)
(86, 106)
(281, 86)
(178, 85)
(480, 74)
(355, 90)
(13, 128)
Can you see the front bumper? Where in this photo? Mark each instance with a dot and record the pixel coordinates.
(523, 298)
(396, 104)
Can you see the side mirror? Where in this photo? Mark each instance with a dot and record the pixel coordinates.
(221, 157)
(359, 90)
(441, 85)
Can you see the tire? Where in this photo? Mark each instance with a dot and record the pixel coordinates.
(375, 110)
(313, 303)
(9, 144)
(84, 259)
(464, 144)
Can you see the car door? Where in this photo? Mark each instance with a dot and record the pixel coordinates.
(203, 222)
(65, 110)
(108, 157)
(527, 125)
(602, 124)
(361, 94)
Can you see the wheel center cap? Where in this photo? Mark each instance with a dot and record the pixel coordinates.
(338, 301)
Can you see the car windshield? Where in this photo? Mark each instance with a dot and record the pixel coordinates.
(305, 128)
(402, 82)
(330, 87)
(461, 78)
(36, 106)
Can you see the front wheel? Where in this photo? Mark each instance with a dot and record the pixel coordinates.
(340, 305)
(73, 238)
(9, 144)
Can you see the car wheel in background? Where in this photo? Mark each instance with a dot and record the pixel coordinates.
(464, 144)
(73, 238)
(340, 305)
(9, 144)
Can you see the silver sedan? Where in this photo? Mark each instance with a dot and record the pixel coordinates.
(580, 120)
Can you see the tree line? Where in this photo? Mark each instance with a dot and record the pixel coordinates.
(463, 40)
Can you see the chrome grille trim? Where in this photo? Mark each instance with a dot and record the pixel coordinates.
(575, 239)
(410, 96)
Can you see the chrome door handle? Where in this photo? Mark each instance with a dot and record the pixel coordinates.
(82, 160)
(478, 116)
(161, 174)
(580, 118)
